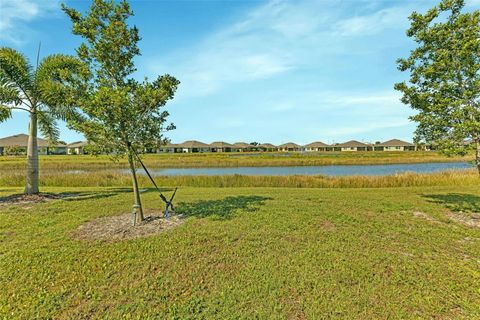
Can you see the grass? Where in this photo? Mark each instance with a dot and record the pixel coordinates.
(247, 253)
(106, 178)
(73, 162)
(251, 246)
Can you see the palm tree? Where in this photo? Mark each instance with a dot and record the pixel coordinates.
(40, 92)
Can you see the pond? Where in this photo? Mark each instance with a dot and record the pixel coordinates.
(332, 170)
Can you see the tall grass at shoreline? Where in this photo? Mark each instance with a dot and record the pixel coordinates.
(112, 178)
(82, 162)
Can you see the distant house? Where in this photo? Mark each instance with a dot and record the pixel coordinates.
(221, 146)
(267, 147)
(289, 146)
(193, 146)
(352, 145)
(18, 144)
(317, 146)
(242, 147)
(394, 145)
(170, 148)
(76, 147)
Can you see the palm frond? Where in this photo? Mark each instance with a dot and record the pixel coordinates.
(9, 94)
(15, 70)
(57, 80)
(48, 126)
(5, 113)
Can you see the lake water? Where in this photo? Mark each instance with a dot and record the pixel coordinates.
(333, 170)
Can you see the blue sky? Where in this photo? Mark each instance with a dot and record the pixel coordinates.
(267, 71)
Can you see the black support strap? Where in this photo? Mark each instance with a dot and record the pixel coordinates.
(168, 203)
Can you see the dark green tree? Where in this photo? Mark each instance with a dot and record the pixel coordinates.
(40, 91)
(120, 115)
(444, 84)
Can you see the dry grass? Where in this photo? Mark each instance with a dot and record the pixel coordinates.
(120, 227)
(469, 219)
(76, 162)
(112, 178)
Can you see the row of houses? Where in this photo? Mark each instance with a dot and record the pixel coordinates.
(193, 146)
(17, 144)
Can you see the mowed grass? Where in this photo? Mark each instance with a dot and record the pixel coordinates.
(246, 253)
(179, 160)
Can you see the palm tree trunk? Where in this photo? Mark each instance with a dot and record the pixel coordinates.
(32, 156)
(136, 192)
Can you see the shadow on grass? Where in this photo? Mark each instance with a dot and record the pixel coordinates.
(75, 196)
(457, 201)
(80, 196)
(221, 209)
(65, 196)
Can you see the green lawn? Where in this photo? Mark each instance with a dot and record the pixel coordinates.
(243, 253)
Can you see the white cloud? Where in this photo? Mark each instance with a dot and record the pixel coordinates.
(352, 131)
(292, 62)
(272, 40)
(342, 98)
(344, 102)
(375, 22)
(264, 43)
(15, 13)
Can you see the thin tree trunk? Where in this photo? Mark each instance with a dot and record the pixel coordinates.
(32, 156)
(477, 158)
(136, 192)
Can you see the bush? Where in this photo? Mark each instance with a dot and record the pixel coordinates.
(15, 151)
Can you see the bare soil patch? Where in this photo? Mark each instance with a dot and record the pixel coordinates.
(21, 199)
(469, 219)
(120, 227)
(328, 225)
(425, 216)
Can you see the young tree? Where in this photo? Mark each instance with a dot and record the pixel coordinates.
(444, 84)
(120, 115)
(41, 92)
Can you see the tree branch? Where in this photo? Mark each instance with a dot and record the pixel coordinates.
(20, 108)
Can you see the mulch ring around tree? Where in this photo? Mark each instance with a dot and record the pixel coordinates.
(120, 227)
(21, 199)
